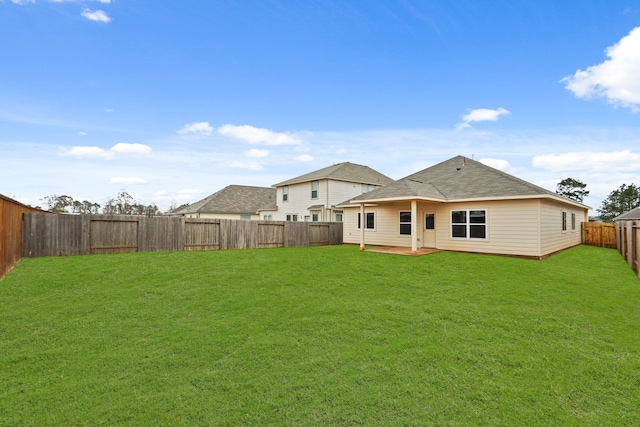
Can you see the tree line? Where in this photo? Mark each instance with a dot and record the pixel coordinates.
(619, 201)
(122, 204)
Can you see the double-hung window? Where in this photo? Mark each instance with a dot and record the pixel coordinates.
(469, 224)
(369, 221)
(564, 221)
(573, 221)
(405, 223)
(285, 193)
(314, 189)
(292, 217)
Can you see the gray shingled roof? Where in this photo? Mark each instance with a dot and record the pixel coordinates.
(238, 199)
(632, 214)
(345, 171)
(458, 178)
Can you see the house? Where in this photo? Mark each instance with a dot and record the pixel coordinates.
(314, 196)
(232, 202)
(464, 205)
(633, 214)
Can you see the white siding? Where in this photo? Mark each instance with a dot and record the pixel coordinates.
(330, 193)
(553, 238)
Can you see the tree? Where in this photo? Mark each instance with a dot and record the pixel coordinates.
(619, 201)
(573, 189)
(57, 203)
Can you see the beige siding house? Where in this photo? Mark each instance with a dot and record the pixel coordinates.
(314, 196)
(464, 205)
(232, 202)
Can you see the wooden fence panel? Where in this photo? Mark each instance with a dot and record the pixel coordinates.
(11, 212)
(599, 234)
(270, 234)
(628, 243)
(160, 233)
(64, 234)
(201, 234)
(110, 234)
(52, 235)
(318, 234)
(296, 234)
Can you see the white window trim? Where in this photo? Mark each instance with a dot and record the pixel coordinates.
(362, 221)
(400, 223)
(468, 225)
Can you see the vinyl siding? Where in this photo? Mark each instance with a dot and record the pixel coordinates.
(330, 193)
(518, 227)
(552, 237)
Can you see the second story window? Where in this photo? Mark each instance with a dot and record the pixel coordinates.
(285, 193)
(314, 189)
(368, 187)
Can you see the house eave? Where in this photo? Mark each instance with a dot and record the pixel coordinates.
(355, 203)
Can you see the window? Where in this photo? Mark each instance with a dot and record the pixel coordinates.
(268, 217)
(338, 216)
(564, 221)
(245, 217)
(315, 217)
(292, 217)
(368, 187)
(370, 223)
(314, 189)
(469, 224)
(430, 221)
(405, 223)
(573, 221)
(285, 193)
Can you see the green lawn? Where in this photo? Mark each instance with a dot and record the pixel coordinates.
(320, 336)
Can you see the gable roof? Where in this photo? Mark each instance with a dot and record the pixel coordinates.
(632, 214)
(238, 199)
(457, 179)
(345, 171)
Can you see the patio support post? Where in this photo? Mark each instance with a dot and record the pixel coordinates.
(414, 227)
(362, 222)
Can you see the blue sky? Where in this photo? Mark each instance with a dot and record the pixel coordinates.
(172, 101)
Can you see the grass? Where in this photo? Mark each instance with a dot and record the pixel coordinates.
(320, 336)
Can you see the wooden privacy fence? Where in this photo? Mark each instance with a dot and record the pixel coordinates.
(11, 232)
(601, 234)
(60, 234)
(628, 238)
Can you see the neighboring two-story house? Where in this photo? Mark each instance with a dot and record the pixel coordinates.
(313, 196)
(309, 197)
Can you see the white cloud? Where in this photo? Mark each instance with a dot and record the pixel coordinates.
(196, 128)
(23, 1)
(254, 152)
(254, 166)
(123, 147)
(481, 115)
(616, 78)
(101, 153)
(81, 133)
(190, 191)
(499, 164)
(254, 135)
(96, 15)
(127, 180)
(615, 161)
(304, 158)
